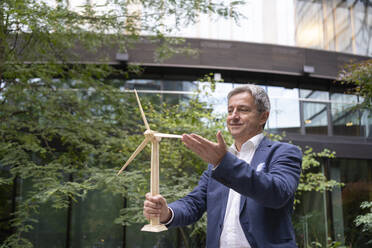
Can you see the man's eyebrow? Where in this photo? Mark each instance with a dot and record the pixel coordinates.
(240, 105)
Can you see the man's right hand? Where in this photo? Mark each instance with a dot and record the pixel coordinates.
(156, 206)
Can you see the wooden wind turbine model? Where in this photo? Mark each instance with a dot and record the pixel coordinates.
(155, 138)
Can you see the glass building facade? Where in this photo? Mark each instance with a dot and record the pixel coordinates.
(334, 25)
(306, 111)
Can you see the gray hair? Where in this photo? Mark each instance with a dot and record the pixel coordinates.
(261, 99)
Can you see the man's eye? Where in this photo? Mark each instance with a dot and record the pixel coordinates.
(243, 110)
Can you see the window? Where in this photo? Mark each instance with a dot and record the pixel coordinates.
(345, 119)
(357, 177)
(285, 110)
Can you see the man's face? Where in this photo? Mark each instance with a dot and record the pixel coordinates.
(243, 120)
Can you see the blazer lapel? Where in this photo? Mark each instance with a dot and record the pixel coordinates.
(260, 152)
(258, 157)
(225, 195)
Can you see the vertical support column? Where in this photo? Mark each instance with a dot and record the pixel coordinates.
(324, 165)
(335, 28)
(325, 23)
(302, 119)
(337, 212)
(329, 118)
(352, 21)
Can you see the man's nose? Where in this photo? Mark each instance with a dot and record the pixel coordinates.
(235, 114)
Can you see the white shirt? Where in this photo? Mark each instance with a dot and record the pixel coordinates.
(232, 235)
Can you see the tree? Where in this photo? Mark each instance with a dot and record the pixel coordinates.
(365, 220)
(359, 77)
(63, 123)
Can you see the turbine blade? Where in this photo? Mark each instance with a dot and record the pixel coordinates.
(165, 135)
(142, 113)
(135, 153)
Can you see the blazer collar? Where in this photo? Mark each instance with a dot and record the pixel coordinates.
(264, 145)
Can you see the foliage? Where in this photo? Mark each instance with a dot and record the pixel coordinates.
(330, 244)
(359, 75)
(313, 179)
(52, 136)
(39, 30)
(312, 182)
(365, 220)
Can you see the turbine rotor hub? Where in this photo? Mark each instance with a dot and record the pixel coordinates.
(151, 135)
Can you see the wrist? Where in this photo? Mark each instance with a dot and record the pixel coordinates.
(215, 164)
(168, 216)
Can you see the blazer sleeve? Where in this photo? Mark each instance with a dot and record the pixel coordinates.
(190, 208)
(272, 187)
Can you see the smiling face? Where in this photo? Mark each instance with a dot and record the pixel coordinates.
(243, 120)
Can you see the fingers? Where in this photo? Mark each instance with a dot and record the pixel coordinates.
(153, 206)
(155, 198)
(150, 210)
(196, 143)
(199, 144)
(162, 201)
(220, 139)
(209, 151)
(189, 139)
(200, 139)
(192, 143)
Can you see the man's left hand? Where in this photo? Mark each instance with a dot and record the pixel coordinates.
(207, 150)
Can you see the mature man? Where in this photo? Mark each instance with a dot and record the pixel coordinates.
(248, 189)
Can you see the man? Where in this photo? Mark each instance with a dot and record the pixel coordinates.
(248, 189)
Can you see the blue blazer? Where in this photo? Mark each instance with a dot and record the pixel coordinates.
(267, 186)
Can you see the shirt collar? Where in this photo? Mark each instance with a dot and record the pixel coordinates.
(255, 140)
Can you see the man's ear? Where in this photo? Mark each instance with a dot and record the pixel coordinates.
(263, 117)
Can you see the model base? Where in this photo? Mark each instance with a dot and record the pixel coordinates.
(154, 228)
